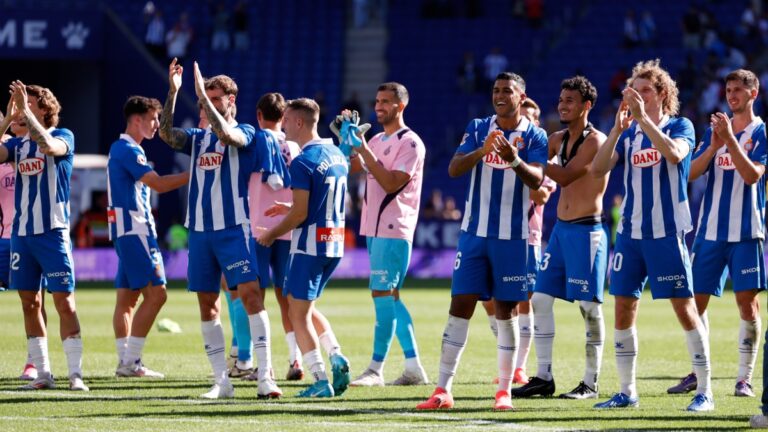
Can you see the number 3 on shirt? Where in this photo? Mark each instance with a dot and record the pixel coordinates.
(337, 188)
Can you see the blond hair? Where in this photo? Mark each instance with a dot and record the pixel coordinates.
(661, 81)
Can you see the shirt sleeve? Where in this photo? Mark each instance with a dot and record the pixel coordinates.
(134, 161)
(193, 135)
(468, 142)
(537, 147)
(758, 152)
(704, 144)
(249, 132)
(682, 128)
(410, 157)
(67, 137)
(301, 174)
(11, 145)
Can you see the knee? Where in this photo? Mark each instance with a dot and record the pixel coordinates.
(750, 311)
(65, 306)
(591, 311)
(542, 303)
(31, 306)
(157, 296)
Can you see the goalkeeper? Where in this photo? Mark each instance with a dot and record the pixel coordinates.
(394, 162)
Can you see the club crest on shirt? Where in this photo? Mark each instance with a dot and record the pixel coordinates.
(748, 145)
(31, 166)
(210, 161)
(141, 160)
(646, 158)
(724, 162)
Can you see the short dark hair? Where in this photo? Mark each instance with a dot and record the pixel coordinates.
(401, 93)
(748, 78)
(47, 102)
(272, 106)
(140, 105)
(510, 76)
(582, 85)
(308, 107)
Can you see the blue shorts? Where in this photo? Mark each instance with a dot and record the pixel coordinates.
(5, 263)
(140, 262)
(389, 262)
(307, 276)
(575, 263)
(532, 267)
(665, 261)
(231, 251)
(491, 268)
(276, 257)
(744, 259)
(47, 255)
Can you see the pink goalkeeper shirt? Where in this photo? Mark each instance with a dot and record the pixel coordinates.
(394, 215)
(7, 188)
(261, 196)
(536, 215)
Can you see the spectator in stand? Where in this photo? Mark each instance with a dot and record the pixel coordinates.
(617, 84)
(220, 34)
(692, 29)
(495, 63)
(240, 24)
(92, 229)
(433, 208)
(647, 29)
(154, 40)
(177, 40)
(468, 74)
(534, 12)
(631, 37)
(450, 212)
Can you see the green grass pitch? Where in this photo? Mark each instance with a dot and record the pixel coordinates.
(173, 404)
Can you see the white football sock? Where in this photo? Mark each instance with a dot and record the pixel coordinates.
(329, 343)
(506, 351)
(544, 333)
(524, 346)
(314, 362)
(749, 344)
(698, 348)
(493, 325)
(213, 338)
(595, 332)
(413, 364)
(626, 359)
(376, 366)
(260, 332)
(454, 340)
(73, 348)
(294, 353)
(134, 349)
(37, 347)
(121, 344)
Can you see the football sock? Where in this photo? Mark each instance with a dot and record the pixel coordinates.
(38, 351)
(492, 324)
(121, 344)
(213, 338)
(595, 331)
(626, 359)
(294, 353)
(524, 346)
(73, 348)
(406, 335)
(544, 333)
(260, 333)
(329, 343)
(506, 351)
(134, 349)
(314, 362)
(242, 330)
(749, 343)
(384, 331)
(698, 348)
(454, 340)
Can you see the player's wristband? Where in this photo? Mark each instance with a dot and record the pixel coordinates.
(515, 162)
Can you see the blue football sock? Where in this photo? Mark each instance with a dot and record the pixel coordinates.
(243, 331)
(384, 331)
(231, 310)
(405, 334)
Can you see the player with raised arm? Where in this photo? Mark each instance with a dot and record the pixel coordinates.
(140, 270)
(40, 245)
(316, 216)
(394, 163)
(220, 238)
(574, 264)
(655, 148)
(731, 227)
(506, 154)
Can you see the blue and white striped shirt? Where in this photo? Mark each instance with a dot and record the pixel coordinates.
(130, 211)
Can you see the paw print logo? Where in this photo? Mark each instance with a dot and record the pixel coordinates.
(75, 35)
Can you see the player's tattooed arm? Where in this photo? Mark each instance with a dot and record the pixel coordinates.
(227, 133)
(47, 144)
(174, 137)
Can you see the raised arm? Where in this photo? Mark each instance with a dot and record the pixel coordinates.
(606, 157)
(749, 170)
(174, 137)
(701, 162)
(531, 174)
(673, 150)
(166, 183)
(227, 133)
(580, 165)
(463, 162)
(48, 144)
(390, 181)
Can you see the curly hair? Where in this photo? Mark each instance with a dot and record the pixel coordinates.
(47, 102)
(661, 81)
(582, 85)
(223, 82)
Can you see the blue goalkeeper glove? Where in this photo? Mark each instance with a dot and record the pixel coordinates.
(348, 130)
